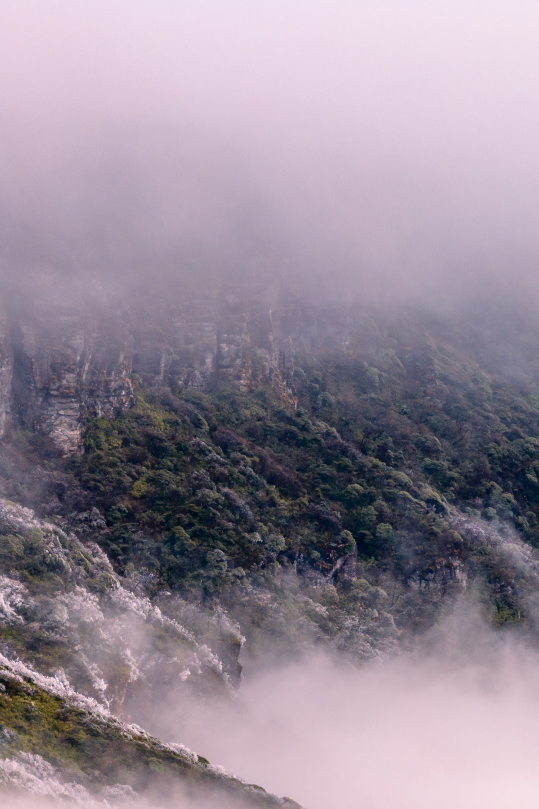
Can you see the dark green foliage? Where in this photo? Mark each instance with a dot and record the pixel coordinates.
(211, 502)
(378, 440)
(363, 453)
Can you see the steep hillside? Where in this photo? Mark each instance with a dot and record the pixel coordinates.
(56, 744)
(341, 480)
(73, 642)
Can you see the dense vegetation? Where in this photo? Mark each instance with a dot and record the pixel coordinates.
(361, 456)
(347, 501)
(367, 448)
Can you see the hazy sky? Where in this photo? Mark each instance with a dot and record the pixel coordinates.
(394, 139)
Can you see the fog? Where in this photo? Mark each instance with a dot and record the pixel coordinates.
(353, 142)
(453, 725)
(380, 149)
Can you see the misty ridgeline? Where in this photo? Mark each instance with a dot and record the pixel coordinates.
(269, 406)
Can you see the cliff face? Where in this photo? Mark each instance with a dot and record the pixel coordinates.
(64, 359)
(63, 367)
(6, 372)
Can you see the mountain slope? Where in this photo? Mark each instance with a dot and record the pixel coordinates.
(344, 491)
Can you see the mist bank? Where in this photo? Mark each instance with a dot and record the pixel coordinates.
(129, 209)
(359, 149)
(454, 724)
(453, 721)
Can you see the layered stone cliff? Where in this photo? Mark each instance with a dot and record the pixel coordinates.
(70, 353)
(66, 357)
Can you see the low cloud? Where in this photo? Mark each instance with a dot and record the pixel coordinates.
(454, 725)
(351, 143)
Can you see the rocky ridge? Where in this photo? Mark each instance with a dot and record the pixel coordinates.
(43, 715)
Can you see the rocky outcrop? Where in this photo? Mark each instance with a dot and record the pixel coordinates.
(67, 356)
(6, 372)
(66, 367)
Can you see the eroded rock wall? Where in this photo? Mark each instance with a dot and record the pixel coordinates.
(67, 366)
(67, 356)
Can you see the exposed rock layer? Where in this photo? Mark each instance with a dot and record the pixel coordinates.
(67, 357)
